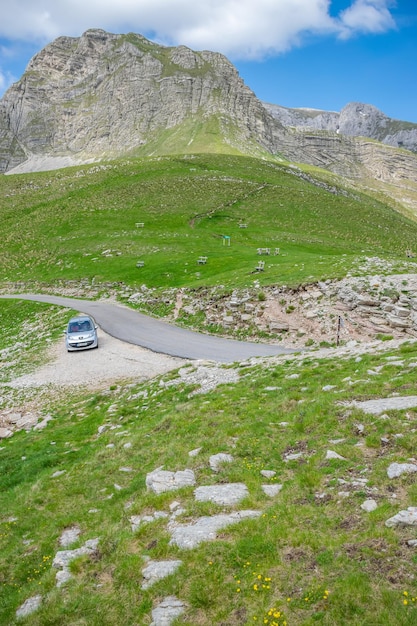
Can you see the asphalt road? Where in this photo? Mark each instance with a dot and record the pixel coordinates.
(134, 327)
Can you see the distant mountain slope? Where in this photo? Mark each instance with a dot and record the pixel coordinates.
(103, 95)
(355, 120)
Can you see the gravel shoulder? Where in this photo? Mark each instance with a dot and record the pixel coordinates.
(112, 362)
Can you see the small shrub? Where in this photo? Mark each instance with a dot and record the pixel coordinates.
(383, 337)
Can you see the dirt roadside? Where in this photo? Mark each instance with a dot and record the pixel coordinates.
(94, 369)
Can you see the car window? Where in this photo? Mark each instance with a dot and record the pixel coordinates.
(81, 325)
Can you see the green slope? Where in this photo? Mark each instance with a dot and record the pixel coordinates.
(313, 556)
(81, 223)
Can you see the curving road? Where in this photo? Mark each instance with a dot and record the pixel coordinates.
(134, 327)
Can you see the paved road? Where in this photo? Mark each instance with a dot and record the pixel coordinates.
(133, 327)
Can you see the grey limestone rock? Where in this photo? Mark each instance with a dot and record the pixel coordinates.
(227, 494)
(69, 536)
(29, 606)
(63, 558)
(403, 518)
(169, 609)
(217, 460)
(271, 490)
(397, 469)
(188, 536)
(156, 570)
(160, 481)
(330, 454)
(369, 505)
(379, 406)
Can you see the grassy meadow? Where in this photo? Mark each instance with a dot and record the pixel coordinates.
(85, 224)
(313, 556)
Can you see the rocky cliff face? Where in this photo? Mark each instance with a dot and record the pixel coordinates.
(354, 120)
(104, 94)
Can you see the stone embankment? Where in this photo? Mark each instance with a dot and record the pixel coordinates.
(354, 308)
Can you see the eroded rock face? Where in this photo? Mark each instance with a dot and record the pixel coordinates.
(356, 119)
(104, 94)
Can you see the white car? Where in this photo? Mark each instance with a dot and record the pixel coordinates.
(81, 333)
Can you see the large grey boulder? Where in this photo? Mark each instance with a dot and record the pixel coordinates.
(188, 536)
(403, 518)
(156, 570)
(29, 606)
(397, 469)
(167, 611)
(160, 481)
(227, 494)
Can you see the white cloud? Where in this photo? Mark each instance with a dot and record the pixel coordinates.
(238, 28)
(366, 16)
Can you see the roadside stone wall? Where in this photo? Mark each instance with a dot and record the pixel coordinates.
(352, 309)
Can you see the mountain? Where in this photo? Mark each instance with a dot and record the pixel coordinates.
(103, 95)
(355, 120)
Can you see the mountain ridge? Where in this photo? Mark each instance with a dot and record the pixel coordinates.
(102, 96)
(355, 119)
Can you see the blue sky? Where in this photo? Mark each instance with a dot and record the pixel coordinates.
(297, 53)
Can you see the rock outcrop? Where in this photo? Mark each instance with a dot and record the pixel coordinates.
(354, 120)
(105, 95)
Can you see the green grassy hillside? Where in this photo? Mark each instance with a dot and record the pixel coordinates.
(313, 556)
(84, 223)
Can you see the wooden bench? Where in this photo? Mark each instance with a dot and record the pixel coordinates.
(140, 263)
(260, 267)
(277, 251)
(243, 225)
(264, 251)
(140, 224)
(202, 260)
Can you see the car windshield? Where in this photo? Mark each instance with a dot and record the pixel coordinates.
(79, 326)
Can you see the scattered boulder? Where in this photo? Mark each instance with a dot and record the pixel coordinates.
(369, 505)
(268, 473)
(156, 570)
(397, 469)
(64, 557)
(330, 454)
(137, 520)
(167, 611)
(160, 481)
(227, 494)
(216, 460)
(69, 536)
(376, 407)
(271, 490)
(29, 606)
(403, 518)
(188, 536)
